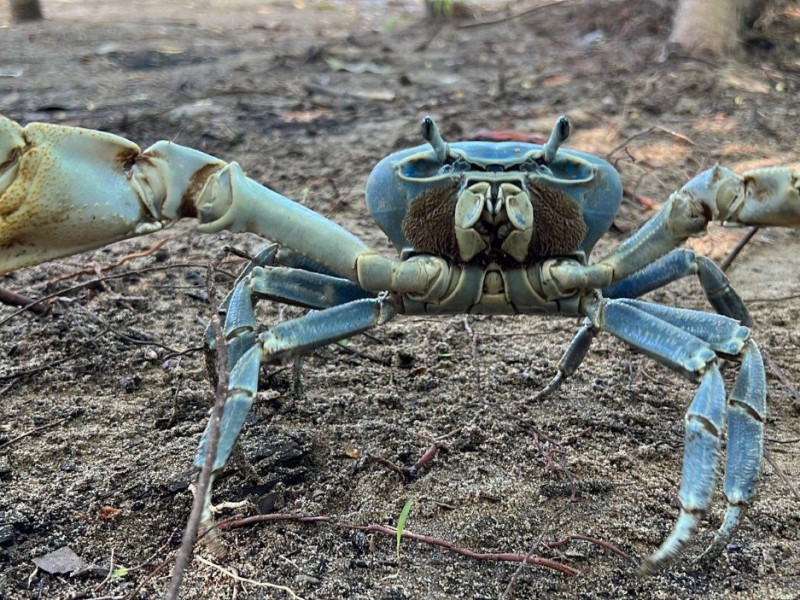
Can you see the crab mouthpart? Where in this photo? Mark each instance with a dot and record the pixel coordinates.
(499, 215)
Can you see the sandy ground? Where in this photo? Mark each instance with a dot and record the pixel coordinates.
(307, 96)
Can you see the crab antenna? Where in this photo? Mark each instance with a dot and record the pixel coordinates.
(558, 136)
(431, 134)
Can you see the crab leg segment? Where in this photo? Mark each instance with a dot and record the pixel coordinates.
(689, 342)
(675, 265)
(746, 415)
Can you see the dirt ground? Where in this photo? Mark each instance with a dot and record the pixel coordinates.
(307, 96)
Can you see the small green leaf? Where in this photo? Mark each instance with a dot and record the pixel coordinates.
(120, 572)
(345, 342)
(401, 522)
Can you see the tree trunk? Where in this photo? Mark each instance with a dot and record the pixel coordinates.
(712, 26)
(25, 10)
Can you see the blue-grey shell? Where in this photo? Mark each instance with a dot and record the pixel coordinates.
(400, 177)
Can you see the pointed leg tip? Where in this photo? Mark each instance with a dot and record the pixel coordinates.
(647, 568)
(733, 516)
(712, 552)
(551, 387)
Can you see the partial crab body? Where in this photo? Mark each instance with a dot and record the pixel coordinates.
(485, 201)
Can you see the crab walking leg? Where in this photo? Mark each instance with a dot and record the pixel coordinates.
(287, 339)
(759, 197)
(573, 357)
(659, 332)
(723, 334)
(272, 255)
(747, 409)
(677, 264)
(304, 288)
(295, 287)
(239, 330)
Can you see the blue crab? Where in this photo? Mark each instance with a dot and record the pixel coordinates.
(479, 227)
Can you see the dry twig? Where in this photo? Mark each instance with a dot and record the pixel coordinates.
(725, 264)
(36, 430)
(238, 578)
(511, 17)
(14, 299)
(490, 556)
(773, 366)
(789, 485)
(204, 479)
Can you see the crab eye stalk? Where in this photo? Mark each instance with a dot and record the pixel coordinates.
(558, 136)
(431, 134)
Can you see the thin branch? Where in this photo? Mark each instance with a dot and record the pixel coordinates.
(14, 299)
(206, 472)
(491, 556)
(98, 269)
(511, 17)
(777, 299)
(725, 264)
(781, 475)
(592, 540)
(473, 345)
(22, 436)
(233, 523)
(534, 547)
(425, 539)
(54, 363)
(237, 578)
(410, 473)
(127, 338)
(95, 281)
(773, 366)
(364, 355)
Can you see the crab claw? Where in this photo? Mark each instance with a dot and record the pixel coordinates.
(772, 197)
(62, 191)
(763, 197)
(65, 190)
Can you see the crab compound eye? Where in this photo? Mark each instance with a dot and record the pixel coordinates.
(431, 133)
(559, 134)
(563, 128)
(426, 129)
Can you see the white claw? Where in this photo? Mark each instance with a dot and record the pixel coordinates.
(62, 190)
(771, 197)
(65, 190)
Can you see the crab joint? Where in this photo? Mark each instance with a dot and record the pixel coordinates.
(426, 275)
(562, 278)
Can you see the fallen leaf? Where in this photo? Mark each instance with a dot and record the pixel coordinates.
(747, 85)
(305, 116)
(63, 560)
(168, 49)
(109, 512)
(556, 80)
(718, 242)
(362, 67)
